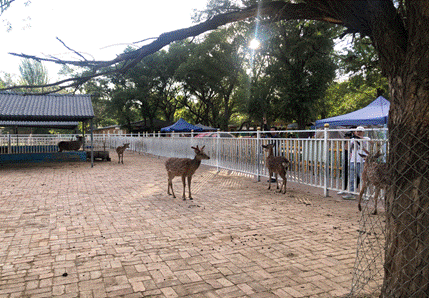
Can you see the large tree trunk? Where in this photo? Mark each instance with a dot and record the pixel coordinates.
(407, 222)
(404, 57)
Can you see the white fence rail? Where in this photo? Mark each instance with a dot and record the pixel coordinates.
(321, 162)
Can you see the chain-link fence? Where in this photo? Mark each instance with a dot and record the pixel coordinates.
(393, 246)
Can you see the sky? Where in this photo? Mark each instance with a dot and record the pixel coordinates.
(98, 28)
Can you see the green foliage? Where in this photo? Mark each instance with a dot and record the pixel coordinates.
(210, 75)
(345, 97)
(361, 64)
(301, 67)
(6, 80)
(5, 4)
(215, 7)
(100, 97)
(33, 73)
(361, 60)
(124, 106)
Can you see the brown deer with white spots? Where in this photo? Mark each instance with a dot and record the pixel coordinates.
(277, 165)
(184, 167)
(120, 150)
(376, 174)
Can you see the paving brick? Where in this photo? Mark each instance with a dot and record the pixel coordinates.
(69, 230)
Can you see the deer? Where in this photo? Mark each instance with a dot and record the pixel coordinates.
(373, 173)
(70, 145)
(184, 167)
(277, 165)
(120, 150)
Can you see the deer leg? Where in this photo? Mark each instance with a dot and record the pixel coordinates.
(377, 193)
(283, 183)
(189, 187)
(360, 195)
(184, 187)
(269, 180)
(119, 158)
(170, 185)
(277, 180)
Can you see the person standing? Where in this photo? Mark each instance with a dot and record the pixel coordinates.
(358, 145)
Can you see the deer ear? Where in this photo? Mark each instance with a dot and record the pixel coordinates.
(192, 147)
(362, 155)
(202, 147)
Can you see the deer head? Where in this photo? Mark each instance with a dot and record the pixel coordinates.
(199, 153)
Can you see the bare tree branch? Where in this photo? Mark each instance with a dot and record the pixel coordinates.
(77, 53)
(275, 10)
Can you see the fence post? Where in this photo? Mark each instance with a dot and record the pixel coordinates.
(326, 159)
(258, 145)
(217, 149)
(9, 147)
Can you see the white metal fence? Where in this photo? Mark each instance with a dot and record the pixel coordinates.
(21, 144)
(317, 161)
(320, 161)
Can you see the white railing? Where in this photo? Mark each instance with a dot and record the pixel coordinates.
(319, 162)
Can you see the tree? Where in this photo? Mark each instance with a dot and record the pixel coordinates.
(154, 80)
(301, 66)
(210, 75)
(33, 73)
(399, 31)
(100, 91)
(5, 4)
(125, 105)
(361, 65)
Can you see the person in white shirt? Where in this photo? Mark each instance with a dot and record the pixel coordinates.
(358, 145)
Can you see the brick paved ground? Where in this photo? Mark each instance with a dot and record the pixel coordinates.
(68, 230)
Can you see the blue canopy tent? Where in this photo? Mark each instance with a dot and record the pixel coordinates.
(181, 126)
(206, 128)
(376, 113)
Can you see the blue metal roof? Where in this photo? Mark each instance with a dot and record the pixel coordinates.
(50, 107)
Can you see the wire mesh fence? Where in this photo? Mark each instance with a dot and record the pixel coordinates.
(393, 247)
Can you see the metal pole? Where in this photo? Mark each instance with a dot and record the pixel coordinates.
(258, 145)
(326, 159)
(92, 145)
(217, 149)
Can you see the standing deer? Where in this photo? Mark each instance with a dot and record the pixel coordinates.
(120, 150)
(277, 165)
(184, 167)
(373, 173)
(70, 145)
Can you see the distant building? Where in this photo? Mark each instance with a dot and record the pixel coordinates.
(112, 129)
